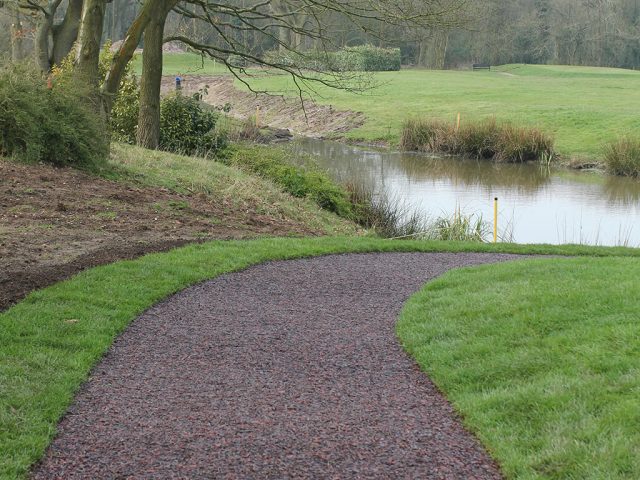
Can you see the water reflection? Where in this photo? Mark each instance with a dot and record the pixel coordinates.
(542, 205)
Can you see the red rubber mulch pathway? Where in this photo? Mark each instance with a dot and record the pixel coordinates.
(285, 370)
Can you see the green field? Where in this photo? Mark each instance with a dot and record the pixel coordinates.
(584, 107)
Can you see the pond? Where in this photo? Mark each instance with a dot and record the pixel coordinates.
(536, 204)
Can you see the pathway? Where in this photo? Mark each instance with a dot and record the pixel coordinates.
(285, 370)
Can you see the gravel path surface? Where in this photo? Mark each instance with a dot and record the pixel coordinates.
(285, 370)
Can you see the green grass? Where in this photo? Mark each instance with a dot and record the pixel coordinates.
(183, 64)
(583, 107)
(542, 360)
(50, 341)
(273, 163)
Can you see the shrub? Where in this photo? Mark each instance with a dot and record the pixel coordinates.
(519, 144)
(388, 217)
(187, 126)
(123, 121)
(367, 58)
(57, 125)
(364, 58)
(486, 139)
(622, 157)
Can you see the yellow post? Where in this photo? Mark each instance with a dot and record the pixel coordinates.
(495, 220)
(458, 122)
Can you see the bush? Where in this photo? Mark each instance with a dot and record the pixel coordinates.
(364, 58)
(57, 125)
(367, 58)
(485, 140)
(123, 121)
(188, 127)
(623, 157)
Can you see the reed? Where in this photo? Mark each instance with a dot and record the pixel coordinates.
(486, 139)
(388, 216)
(622, 157)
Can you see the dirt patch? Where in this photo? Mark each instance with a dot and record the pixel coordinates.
(275, 111)
(57, 222)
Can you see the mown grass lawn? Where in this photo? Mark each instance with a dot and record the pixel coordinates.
(542, 360)
(584, 107)
(50, 341)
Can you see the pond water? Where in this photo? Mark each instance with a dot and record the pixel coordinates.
(536, 204)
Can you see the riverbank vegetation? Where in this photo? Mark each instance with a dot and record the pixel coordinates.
(52, 339)
(487, 139)
(541, 359)
(623, 157)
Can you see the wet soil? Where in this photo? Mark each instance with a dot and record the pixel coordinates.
(276, 111)
(285, 370)
(57, 222)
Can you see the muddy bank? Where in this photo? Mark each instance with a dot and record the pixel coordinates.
(57, 222)
(277, 112)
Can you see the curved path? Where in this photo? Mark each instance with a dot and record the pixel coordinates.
(285, 370)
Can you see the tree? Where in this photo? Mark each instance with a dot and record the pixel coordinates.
(148, 134)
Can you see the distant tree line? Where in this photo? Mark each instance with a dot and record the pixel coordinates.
(573, 32)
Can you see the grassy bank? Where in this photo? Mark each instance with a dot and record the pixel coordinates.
(225, 184)
(541, 359)
(50, 341)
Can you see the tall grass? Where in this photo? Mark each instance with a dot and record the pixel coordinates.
(486, 139)
(388, 216)
(392, 218)
(623, 157)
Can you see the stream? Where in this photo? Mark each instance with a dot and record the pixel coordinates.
(536, 204)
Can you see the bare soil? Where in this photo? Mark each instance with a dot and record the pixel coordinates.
(57, 222)
(275, 111)
(286, 370)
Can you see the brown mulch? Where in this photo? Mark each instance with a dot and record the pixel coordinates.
(57, 222)
(286, 370)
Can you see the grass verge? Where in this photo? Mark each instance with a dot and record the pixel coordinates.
(542, 360)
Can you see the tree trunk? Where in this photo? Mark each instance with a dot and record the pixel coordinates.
(89, 38)
(17, 39)
(41, 45)
(150, 9)
(66, 34)
(148, 134)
